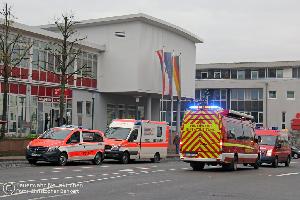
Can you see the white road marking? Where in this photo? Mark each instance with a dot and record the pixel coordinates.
(56, 171)
(118, 176)
(86, 167)
(137, 173)
(294, 162)
(77, 170)
(31, 180)
(161, 170)
(104, 174)
(92, 180)
(79, 182)
(19, 182)
(154, 166)
(112, 177)
(68, 177)
(79, 176)
(185, 168)
(58, 168)
(126, 170)
(42, 172)
(154, 182)
(90, 175)
(146, 172)
(54, 178)
(172, 169)
(105, 178)
(86, 181)
(270, 175)
(124, 175)
(131, 172)
(115, 173)
(104, 166)
(44, 179)
(99, 179)
(288, 174)
(142, 167)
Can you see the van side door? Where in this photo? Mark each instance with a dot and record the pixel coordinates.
(134, 143)
(92, 142)
(74, 146)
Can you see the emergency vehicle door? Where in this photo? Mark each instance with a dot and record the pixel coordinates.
(74, 146)
(92, 143)
(134, 143)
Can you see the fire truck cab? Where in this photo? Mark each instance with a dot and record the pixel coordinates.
(213, 136)
(129, 139)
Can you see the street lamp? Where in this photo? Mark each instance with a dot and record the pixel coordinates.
(137, 100)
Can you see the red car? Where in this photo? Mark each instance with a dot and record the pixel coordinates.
(274, 147)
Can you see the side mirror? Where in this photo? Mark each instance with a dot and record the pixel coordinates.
(255, 140)
(278, 146)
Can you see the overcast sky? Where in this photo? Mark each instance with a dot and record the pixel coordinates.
(233, 30)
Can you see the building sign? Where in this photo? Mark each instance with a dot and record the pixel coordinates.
(57, 92)
(45, 99)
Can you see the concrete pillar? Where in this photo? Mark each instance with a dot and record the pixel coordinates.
(149, 109)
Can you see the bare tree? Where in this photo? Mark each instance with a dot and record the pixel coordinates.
(13, 50)
(68, 50)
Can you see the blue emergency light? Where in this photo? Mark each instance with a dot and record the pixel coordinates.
(205, 107)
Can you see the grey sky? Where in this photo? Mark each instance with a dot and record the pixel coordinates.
(233, 30)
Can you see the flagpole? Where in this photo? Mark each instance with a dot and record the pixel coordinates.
(171, 95)
(178, 99)
(162, 94)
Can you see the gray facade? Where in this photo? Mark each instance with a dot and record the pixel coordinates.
(269, 90)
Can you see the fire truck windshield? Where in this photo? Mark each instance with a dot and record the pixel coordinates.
(117, 133)
(267, 140)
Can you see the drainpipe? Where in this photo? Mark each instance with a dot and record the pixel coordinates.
(266, 100)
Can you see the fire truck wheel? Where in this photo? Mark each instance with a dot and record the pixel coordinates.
(63, 158)
(197, 166)
(288, 161)
(245, 164)
(275, 162)
(233, 164)
(98, 159)
(156, 158)
(256, 165)
(125, 158)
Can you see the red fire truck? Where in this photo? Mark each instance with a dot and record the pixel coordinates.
(214, 136)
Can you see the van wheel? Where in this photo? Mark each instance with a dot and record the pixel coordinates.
(156, 158)
(98, 159)
(62, 160)
(288, 161)
(245, 164)
(32, 162)
(125, 158)
(233, 164)
(275, 162)
(197, 166)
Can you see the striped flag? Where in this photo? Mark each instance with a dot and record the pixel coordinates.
(169, 68)
(160, 54)
(176, 75)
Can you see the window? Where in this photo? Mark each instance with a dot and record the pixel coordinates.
(204, 75)
(159, 131)
(272, 73)
(91, 137)
(254, 75)
(233, 73)
(241, 74)
(272, 94)
(283, 116)
(279, 73)
(217, 75)
(290, 95)
(75, 138)
(79, 107)
(225, 73)
(262, 73)
(282, 126)
(248, 132)
(230, 130)
(88, 107)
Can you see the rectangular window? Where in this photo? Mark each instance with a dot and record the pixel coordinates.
(271, 73)
(217, 75)
(204, 75)
(290, 95)
(254, 75)
(260, 117)
(225, 73)
(88, 107)
(159, 131)
(198, 74)
(283, 126)
(283, 117)
(295, 72)
(241, 74)
(272, 95)
(79, 107)
(279, 73)
(233, 73)
(241, 94)
(262, 73)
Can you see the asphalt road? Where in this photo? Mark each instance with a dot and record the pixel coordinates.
(144, 180)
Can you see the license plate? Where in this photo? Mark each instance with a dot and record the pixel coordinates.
(35, 154)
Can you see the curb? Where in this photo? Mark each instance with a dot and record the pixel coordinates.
(4, 164)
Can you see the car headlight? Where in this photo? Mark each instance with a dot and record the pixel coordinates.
(54, 148)
(27, 147)
(115, 148)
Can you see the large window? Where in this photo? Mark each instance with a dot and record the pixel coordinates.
(79, 107)
(87, 64)
(279, 73)
(254, 74)
(88, 107)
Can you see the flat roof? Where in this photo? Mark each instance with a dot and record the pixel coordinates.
(52, 35)
(134, 17)
(249, 65)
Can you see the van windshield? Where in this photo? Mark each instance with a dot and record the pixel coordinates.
(55, 134)
(117, 133)
(267, 140)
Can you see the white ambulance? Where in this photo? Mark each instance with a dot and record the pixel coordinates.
(129, 139)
